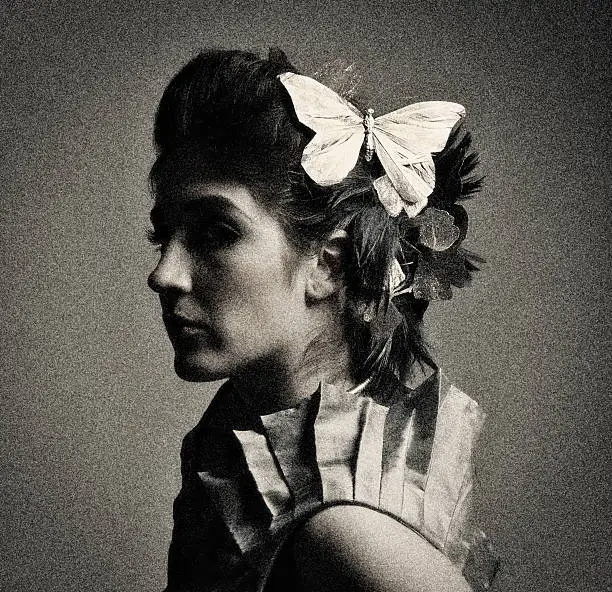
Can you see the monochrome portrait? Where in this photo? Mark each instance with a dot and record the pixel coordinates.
(305, 296)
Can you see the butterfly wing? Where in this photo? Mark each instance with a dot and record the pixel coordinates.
(405, 140)
(333, 152)
(422, 128)
(405, 186)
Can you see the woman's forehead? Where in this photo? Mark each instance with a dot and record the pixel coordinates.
(222, 197)
(189, 163)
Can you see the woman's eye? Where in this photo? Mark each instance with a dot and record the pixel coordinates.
(213, 235)
(208, 236)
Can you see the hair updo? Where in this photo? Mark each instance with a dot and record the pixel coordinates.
(230, 109)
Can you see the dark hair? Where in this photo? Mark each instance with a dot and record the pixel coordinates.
(230, 107)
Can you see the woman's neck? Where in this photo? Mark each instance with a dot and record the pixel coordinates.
(282, 381)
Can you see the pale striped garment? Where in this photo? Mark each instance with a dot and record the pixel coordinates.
(248, 482)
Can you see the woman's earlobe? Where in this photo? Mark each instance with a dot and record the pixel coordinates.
(327, 274)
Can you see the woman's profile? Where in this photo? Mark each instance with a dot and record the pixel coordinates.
(301, 238)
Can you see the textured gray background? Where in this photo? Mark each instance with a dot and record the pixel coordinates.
(92, 416)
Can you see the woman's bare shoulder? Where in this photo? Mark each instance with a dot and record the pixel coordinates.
(350, 547)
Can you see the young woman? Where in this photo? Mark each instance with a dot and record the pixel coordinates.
(300, 242)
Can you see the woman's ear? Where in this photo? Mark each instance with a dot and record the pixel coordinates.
(327, 274)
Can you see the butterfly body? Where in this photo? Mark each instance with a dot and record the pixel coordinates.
(368, 124)
(404, 141)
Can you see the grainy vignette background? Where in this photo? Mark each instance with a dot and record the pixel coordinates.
(92, 416)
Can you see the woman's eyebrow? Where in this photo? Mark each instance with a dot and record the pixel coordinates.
(214, 202)
(199, 205)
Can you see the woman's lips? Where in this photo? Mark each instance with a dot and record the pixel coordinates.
(183, 327)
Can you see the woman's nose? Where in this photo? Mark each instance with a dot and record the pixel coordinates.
(173, 271)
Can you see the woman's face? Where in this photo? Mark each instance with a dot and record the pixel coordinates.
(232, 289)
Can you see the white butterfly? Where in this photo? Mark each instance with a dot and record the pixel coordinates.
(403, 140)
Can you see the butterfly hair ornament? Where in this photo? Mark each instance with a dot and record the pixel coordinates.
(405, 143)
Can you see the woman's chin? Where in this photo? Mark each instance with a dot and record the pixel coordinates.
(196, 370)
